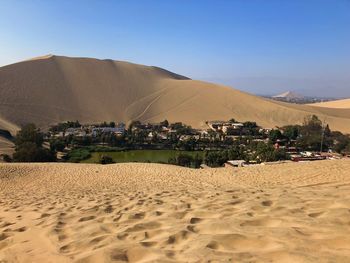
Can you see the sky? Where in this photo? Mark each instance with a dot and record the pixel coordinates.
(261, 46)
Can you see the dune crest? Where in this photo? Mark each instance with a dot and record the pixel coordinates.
(41, 57)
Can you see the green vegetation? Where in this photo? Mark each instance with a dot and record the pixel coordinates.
(175, 143)
(29, 146)
(341, 142)
(313, 135)
(57, 145)
(77, 155)
(187, 160)
(250, 152)
(61, 127)
(105, 159)
(154, 156)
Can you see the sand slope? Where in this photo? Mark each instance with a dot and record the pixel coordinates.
(6, 146)
(161, 213)
(50, 89)
(338, 104)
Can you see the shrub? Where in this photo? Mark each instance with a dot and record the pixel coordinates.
(105, 159)
(29, 148)
(184, 160)
(77, 155)
(29, 133)
(30, 152)
(216, 158)
(57, 145)
(7, 158)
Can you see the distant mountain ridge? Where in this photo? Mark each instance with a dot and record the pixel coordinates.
(289, 95)
(52, 89)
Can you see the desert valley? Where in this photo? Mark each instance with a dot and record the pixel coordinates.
(278, 212)
(174, 131)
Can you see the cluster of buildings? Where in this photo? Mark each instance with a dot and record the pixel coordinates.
(222, 126)
(157, 130)
(92, 131)
(162, 132)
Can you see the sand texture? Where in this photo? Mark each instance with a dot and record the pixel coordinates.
(50, 89)
(338, 104)
(292, 212)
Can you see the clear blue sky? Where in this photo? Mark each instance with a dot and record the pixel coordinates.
(262, 46)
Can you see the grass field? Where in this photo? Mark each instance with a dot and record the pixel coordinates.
(153, 156)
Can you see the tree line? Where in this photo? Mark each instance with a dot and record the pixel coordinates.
(312, 135)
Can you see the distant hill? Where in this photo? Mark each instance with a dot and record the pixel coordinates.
(52, 89)
(338, 104)
(289, 95)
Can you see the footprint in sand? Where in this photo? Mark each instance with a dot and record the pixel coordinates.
(140, 215)
(122, 236)
(213, 245)
(62, 237)
(3, 236)
(6, 224)
(86, 218)
(237, 202)
(159, 213)
(195, 220)
(65, 248)
(44, 215)
(267, 203)
(178, 237)
(109, 209)
(148, 244)
(315, 215)
(21, 229)
(192, 228)
(119, 255)
(97, 240)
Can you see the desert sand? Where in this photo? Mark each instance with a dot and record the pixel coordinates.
(6, 146)
(337, 104)
(50, 89)
(292, 212)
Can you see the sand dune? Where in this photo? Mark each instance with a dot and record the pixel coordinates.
(50, 89)
(6, 146)
(160, 213)
(338, 104)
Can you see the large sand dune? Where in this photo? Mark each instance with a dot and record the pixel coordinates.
(160, 213)
(338, 104)
(6, 146)
(50, 89)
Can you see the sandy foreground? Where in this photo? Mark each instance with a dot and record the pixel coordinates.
(296, 212)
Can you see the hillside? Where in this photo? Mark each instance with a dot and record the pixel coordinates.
(338, 104)
(51, 89)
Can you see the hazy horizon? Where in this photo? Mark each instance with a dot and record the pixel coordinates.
(266, 49)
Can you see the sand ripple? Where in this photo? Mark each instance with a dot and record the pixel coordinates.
(161, 213)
